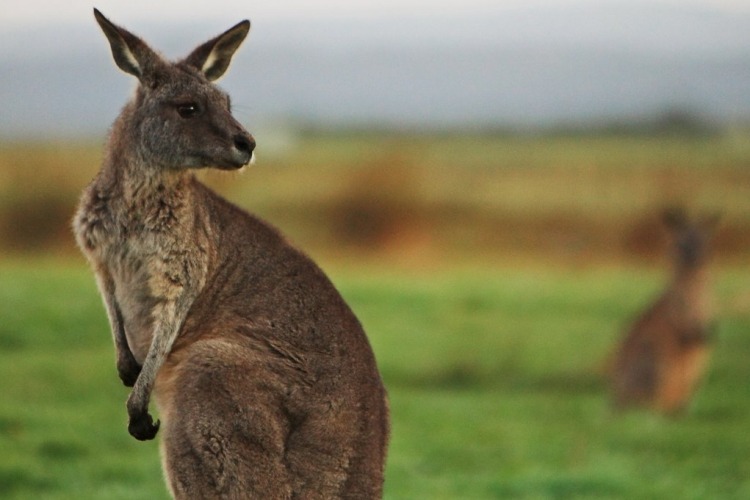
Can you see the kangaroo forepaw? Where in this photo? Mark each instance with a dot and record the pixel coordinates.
(128, 369)
(142, 427)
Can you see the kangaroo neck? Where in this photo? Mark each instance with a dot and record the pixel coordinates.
(127, 175)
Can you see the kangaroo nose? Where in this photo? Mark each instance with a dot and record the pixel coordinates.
(244, 143)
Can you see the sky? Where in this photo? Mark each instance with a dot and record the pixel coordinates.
(419, 62)
(42, 27)
(28, 13)
(70, 10)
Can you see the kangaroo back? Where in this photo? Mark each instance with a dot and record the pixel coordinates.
(663, 355)
(265, 381)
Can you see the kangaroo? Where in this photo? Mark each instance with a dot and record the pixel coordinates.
(263, 377)
(664, 353)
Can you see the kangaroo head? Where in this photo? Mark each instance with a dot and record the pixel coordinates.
(691, 237)
(178, 117)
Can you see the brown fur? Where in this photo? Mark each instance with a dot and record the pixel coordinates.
(664, 353)
(265, 381)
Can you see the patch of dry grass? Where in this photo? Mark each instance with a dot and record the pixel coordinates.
(577, 198)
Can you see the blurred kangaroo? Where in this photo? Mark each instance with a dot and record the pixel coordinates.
(264, 379)
(664, 354)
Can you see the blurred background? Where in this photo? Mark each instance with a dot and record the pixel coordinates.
(475, 124)
(483, 180)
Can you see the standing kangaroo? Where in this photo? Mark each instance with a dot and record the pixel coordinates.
(264, 379)
(664, 353)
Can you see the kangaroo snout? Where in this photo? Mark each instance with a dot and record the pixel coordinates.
(244, 145)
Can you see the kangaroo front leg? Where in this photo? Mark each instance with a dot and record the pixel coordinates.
(127, 367)
(169, 318)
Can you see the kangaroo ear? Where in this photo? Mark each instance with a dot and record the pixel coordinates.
(213, 57)
(131, 54)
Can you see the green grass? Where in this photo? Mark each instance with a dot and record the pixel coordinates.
(61, 410)
(494, 377)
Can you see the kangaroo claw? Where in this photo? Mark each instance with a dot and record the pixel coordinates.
(142, 427)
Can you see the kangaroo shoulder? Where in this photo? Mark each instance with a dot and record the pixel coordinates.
(94, 220)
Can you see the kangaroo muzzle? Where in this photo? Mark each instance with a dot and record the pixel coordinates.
(242, 150)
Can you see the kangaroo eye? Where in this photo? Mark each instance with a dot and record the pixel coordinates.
(187, 110)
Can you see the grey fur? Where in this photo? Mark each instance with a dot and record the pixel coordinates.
(264, 378)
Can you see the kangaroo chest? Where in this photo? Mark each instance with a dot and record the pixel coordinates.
(151, 251)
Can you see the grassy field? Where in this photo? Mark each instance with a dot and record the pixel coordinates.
(492, 273)
(494, 377)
